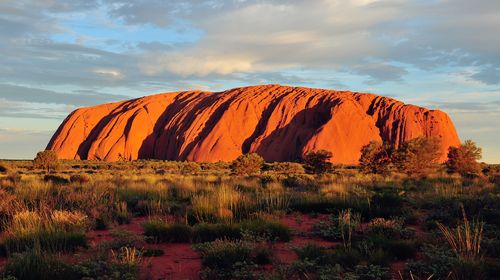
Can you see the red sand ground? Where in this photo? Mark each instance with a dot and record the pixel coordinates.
(180, 261)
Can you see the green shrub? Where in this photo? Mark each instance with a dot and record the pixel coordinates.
(106, 270)
(161, 231)
(122, 239)
(372, 272)
(379, 257)
(210, 232)
(38, 266)
(401, 249)
(437, 261)
(262, 253)
(386, 228)
(465, 270)
(50, 241)
(328, 230)
(386, 204)
(347, 258)
(314, 203)
(314, 253)
(305, 268)
(223, 254)
(239, 270)
(267, 229)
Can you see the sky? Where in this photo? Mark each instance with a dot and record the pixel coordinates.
(58, 55)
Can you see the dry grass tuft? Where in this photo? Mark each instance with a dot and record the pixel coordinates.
(465, 239)
(348, 222)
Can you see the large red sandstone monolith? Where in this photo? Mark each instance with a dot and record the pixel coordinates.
(278, 122)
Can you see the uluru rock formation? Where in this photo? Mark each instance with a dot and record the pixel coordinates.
(280, 123)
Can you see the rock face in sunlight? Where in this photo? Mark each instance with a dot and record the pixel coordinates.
(278, 122)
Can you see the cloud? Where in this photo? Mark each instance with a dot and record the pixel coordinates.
(50, 47)
(35, 95)
(200, 66)
(109, 72)
(489, 75)
(330, 34)
(252, 36)
(380, 72)
(476, 107)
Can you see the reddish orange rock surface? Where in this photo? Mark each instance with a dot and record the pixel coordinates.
(280, 123)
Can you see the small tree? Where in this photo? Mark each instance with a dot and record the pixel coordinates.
(419, 156)
(463, 159)
(247, 164)
(376, 157)
(318, 162)
(46, 159)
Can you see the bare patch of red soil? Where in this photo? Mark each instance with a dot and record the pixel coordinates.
(396, 268)
(302, 223)
(303, 227)
(179, 261)
(96, 237)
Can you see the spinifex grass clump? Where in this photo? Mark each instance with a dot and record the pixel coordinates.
(127, 256)
(211, 232)
(271, 230)
(339, 227)
(33, 265)
(465, 239)
(54, 231)
(161, 231)
(348, 223)
(314, 253)
(223, 204)
(233, 259)
(273, 199)
(389, 228)
(223, 254)
(142, 197)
